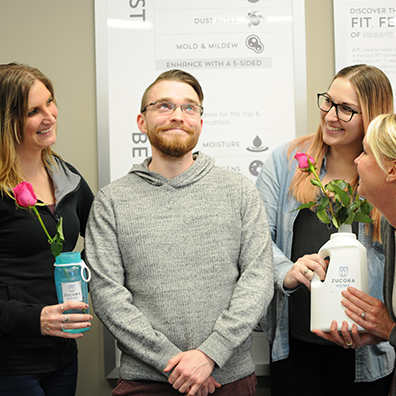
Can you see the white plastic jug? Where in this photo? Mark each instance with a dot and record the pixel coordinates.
(347, 267)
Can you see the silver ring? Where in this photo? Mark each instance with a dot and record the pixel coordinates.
(66, 318)
(363, 315)
(349, 343)
(62, 326)
(306, 271)
(61, 307)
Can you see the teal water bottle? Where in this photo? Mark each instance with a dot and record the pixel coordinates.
(71, 281)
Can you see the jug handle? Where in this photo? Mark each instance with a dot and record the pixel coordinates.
(315, 279)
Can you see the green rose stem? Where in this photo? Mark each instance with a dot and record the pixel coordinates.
(320, 185)
(26, 199)
(57, 240)
(50, 240)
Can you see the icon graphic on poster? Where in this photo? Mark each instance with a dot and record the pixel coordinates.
(257, 146)
(255, 167)
(253, 18)
(253, 42)
(253, 1)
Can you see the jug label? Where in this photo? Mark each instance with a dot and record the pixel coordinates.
(72, 291)
(343, 278)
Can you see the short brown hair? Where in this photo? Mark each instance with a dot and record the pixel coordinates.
(174, 75)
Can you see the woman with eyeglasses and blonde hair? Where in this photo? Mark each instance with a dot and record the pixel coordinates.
(356, 95)
(37, 357)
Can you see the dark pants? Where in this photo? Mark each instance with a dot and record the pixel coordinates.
(243, 387)
(57, 383)
(313, 370)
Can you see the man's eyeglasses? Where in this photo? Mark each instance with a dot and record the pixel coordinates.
(344, 113)
(166, 108)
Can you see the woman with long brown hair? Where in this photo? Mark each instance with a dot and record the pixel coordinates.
(37, 356)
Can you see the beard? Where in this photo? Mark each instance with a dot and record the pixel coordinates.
(176, 146)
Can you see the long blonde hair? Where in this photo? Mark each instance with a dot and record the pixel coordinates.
(375, 97)
(16, 81)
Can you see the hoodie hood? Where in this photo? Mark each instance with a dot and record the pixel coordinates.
(201, 166)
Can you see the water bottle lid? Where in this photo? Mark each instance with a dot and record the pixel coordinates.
(68, 257)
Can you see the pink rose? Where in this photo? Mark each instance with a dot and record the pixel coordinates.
(25, 195)
(303, 163)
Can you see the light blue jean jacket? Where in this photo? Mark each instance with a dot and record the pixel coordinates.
(372, 362)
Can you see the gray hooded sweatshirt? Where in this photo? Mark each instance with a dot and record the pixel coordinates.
(180, 264)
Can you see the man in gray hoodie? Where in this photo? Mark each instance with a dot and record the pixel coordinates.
(181, 258)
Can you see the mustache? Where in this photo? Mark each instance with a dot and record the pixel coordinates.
(175, 126)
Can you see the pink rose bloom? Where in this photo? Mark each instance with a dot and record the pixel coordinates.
(25, 195)
(303, 163)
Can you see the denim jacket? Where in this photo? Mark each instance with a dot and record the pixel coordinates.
(372, 362)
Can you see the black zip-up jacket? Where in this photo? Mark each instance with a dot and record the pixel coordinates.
(27, 274)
